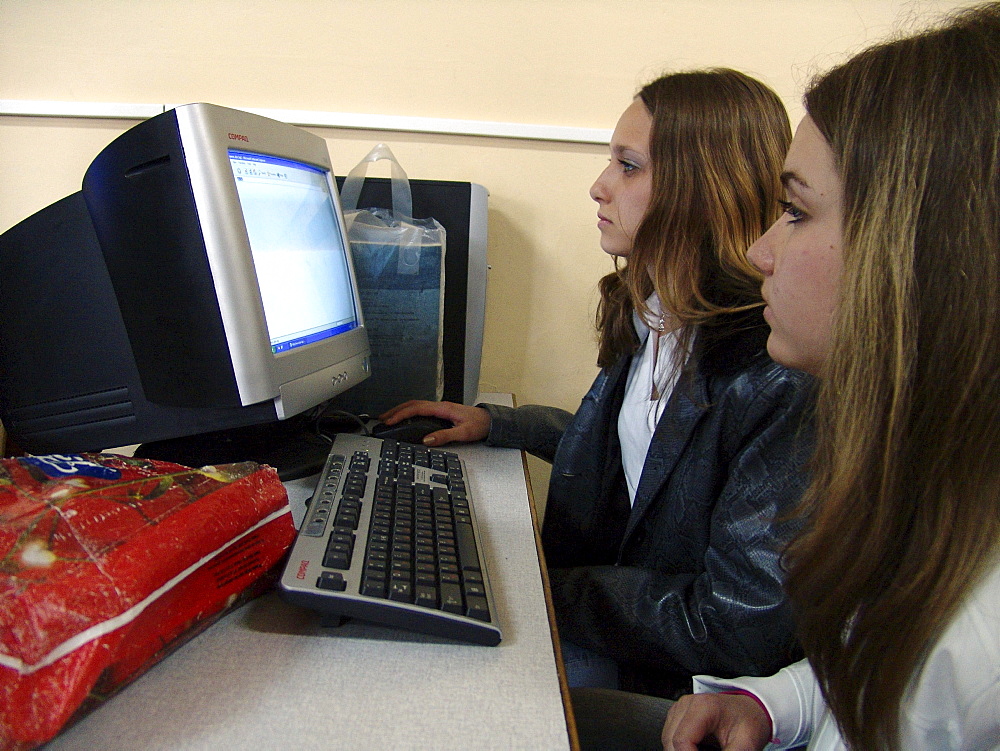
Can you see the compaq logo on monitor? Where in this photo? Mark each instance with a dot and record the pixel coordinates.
(238, 137)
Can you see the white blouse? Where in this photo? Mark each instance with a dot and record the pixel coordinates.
(641, 409)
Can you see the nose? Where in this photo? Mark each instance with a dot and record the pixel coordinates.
(599, 190)
(761, 253)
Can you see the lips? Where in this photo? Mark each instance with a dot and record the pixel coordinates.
(766, 312)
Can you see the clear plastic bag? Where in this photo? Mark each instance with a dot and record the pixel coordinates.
(399, 264)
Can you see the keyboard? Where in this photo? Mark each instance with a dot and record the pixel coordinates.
(390, 536)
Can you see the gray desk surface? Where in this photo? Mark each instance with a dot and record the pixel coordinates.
(268, 676)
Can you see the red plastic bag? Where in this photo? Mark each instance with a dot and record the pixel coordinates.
(108, 563)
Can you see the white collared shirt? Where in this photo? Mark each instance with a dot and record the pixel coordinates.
(639, 412)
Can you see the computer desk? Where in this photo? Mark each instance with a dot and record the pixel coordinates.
(269, 676)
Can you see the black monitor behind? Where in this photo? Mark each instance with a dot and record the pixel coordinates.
(461, 208)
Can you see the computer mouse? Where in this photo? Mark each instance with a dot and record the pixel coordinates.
(412, 429)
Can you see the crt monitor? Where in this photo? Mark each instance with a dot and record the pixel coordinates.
(199, 283)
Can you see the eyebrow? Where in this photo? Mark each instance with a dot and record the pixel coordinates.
(619, 149)
(788, 177)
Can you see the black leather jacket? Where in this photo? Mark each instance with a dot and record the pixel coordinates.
(688, 580)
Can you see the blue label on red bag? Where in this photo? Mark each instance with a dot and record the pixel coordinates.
(70, 465)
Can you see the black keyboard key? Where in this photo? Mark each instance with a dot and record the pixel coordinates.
(349, 512)
(477, 608)
(467, 553)
(473, 589)
(473, 577)
(331, 580)
(426, 579)
(427, 568)
(337, 556)
(426, 596)
(401, 591)
(451, 598)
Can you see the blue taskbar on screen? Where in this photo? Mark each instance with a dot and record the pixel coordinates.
(278, 347)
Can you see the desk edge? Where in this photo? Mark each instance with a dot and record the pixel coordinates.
(574, 740)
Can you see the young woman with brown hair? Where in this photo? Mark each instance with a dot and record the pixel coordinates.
(662, 528)
(883, 278)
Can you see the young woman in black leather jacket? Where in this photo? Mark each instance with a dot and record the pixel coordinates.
(665, 515)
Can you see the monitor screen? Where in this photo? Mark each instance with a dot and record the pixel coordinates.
(302, 269)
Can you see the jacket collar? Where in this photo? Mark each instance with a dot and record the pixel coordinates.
(687, 405)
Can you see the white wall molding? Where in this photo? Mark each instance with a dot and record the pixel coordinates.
(308, 118)
(100, 110)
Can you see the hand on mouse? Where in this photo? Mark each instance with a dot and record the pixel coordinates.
(471, 423)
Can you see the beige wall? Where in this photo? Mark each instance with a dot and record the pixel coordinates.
(553, 62)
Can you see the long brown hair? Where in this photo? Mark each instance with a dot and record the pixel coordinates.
(717, 144)
(903, 514)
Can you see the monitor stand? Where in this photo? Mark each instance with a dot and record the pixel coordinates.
(293, 447)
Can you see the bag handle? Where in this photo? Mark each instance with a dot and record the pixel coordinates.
(402, 200)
